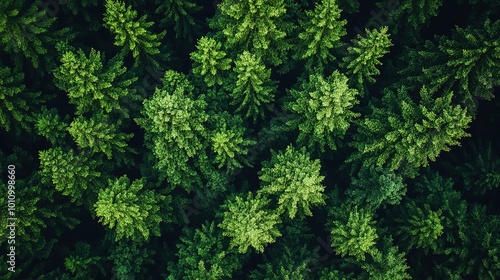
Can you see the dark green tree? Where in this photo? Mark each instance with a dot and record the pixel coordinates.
(134, 214)
(254, 89)
(129, 259)
(321, 33)
(93, 86)
(387, 263)
(375, 187)
(294, 180)
(400, 134)
(249, 223)
(50, 125)
(364, 56)
(180, 14)
(324, 110)
(18, 105)
(210, 61)
(83, 263)
(130, 32)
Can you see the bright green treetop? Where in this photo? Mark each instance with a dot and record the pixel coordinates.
(294, 179)
(91, 85)
(354, 234)
(323, 106)
(130, 32)
(75, 175)
(364, 56)
(321, 33)
(402, 134)
(249, 223)
(134, 214)
(50, 125)
(175, 132)
(210, 61)
(254, 26)
(98, 134)
(254, 89)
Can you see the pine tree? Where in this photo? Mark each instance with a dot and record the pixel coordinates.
(249, 223)
(99, 135)
(210, 61)
(83, 263)
(131, 33)
(175, 132)
(419, 227)
(229, 143)
(254, 89)
(387, 263)
(130, 259)
(205, 251)
(354, 233)
(321, 33)
(363, 57)
(375, 187)
(466, 63)
(401, 134)
(294, 179)
(91, 85)
(323, 107)
(180, 14)
(27, 31)
(76, 175)
(134, 214)
(50, 125)
(18, 105)
(253, 26)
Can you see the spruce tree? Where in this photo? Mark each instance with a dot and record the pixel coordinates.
(294, 180)
(254, 89)
(400, 134)
(249, 223)
(180, 14)
(130, 32)
(321, 33)
(324, 110)
(132, 213)
(210, 61)
(92, 85)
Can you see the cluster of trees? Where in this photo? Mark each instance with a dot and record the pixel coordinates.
(266, 126)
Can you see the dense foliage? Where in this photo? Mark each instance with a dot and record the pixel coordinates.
(250, 139)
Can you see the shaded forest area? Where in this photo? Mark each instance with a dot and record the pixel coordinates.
(250, 139)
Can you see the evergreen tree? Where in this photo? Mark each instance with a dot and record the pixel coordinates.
(354, 233)
(375, 187)
(134, 214)
(99, 135)
(254, 89)
(18, 105)
(324, 111)
(229, 143)
(249, 223)
(91, 86)
(180, 14)
(205, 251)
(129, 259)
(254, 26)
(75, 175)
(420, 227)
(467, 62)
(49, 125)
(321, 33)
(131, 33)
(210, 61)
(83, 263)
(27, 31)
(295, 180)
(387, 263)
(401, 134)
(363, 57)
(175, 132)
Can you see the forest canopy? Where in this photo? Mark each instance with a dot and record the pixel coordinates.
(250, 139)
